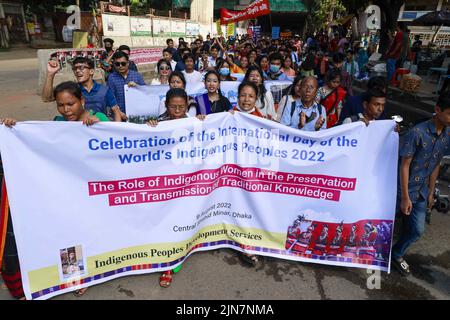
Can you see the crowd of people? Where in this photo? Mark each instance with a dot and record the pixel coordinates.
(322, 70)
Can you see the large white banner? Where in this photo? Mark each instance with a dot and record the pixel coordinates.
(143, 101)
(90, 204)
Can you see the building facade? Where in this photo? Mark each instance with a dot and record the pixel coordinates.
(413, 9)
(12, 23)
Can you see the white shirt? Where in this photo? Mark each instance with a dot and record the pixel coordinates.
(212, 61)
(193, 77)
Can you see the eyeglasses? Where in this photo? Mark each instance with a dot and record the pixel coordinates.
(81, 68)
(306, 88)
(118, 64)
(164, 68)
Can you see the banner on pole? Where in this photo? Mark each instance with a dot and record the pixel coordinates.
(119, 199)
(255, 9)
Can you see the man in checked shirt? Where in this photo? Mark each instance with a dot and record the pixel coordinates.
(421, 154)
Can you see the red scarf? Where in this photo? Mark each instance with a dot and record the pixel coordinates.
(330, 102)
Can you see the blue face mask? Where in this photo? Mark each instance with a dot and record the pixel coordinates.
(274, 68)
(224, 71)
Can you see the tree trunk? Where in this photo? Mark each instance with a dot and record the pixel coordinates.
(390, 10)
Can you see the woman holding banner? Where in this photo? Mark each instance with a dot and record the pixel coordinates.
(177, 80)
(247, 97)
(70, 104)
(177, 108)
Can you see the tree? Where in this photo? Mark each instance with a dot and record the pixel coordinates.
(327, 10)
(390, 10)
(46, 7)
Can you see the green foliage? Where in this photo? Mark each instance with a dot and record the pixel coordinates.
(321, 11)
(48, 7)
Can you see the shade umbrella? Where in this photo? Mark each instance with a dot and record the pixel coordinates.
(435, 18)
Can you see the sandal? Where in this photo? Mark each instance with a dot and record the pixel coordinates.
(250, 259)
(166, 279)
(402, 266)
(80, 292)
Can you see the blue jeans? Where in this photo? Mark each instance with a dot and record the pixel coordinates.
(390, 68)
(413, 228)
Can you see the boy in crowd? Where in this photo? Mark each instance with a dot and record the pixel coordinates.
(98, 98)
(421, 153)
(354, 105)
(126, 49)
(275, 72)
(373, 102)
(170, 46)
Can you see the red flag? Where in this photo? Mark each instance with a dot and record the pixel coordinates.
(256, 9)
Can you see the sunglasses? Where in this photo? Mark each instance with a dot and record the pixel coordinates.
(164, 68)
(118, 64)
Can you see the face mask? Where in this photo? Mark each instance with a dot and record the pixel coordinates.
(274, 68)
(224, 71)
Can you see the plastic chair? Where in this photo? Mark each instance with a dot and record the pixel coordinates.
(399, 72)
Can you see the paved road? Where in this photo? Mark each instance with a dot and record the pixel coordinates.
(220, 274)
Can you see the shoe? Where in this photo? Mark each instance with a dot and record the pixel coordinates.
(402, 267)
(250, 259)
(80, 292)
(166, 279)
(428, 217)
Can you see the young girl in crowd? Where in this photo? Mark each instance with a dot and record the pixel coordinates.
(177, 106)
(332, 96)
(264, 101)
(213, 101)
(70, 104)
(291, 98)
(244, 63)
(177, 80)
(164, 70)
(287, 67)
(263, 63)
(234, 68)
